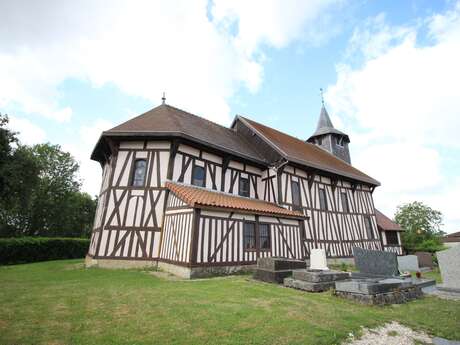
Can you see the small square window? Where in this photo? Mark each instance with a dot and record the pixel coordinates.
(139, 168)
(369, 230)
(392, 237)
(198, 176)
(249, 235)
(322, 199)
(295, 189)
(244, 186)
(264, 236)
(345, 206)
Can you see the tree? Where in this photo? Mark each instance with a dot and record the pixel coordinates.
(18, 176)
(40, 190)
(59, 208)
(422, 226)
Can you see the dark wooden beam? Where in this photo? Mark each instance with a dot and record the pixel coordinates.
(353, 187)
(334, 184)
(279, 172)
(225, 162)
(311, 179)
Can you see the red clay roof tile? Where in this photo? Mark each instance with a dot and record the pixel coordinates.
(196, 196)
(385, 223)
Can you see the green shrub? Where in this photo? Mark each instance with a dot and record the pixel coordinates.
(31, 249)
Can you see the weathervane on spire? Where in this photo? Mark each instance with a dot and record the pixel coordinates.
(163, 99)
(322, 97)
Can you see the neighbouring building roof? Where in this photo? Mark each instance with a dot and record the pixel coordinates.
(386, 224)
(196, 197)
(166, 120)
(304, 153)
(325, 126)
(454, 237)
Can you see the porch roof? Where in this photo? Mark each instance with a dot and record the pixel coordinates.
(201, 197)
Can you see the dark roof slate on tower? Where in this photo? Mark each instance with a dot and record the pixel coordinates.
(166, 120)
(325, 126)
(304, 153)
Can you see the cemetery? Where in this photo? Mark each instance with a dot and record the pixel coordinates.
(381, 278)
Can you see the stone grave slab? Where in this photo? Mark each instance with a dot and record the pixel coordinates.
(375, 263)
(449, 265)
(408, 263)
(314, 280)
(274, 270)
(425, 259)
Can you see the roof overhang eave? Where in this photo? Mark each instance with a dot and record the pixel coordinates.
(178, 134)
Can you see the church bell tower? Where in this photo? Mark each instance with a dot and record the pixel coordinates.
(329, 138)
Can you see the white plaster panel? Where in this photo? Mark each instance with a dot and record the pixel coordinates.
(159, 145)
(212, 158)
(185, 210)
(190, 150)
(141, 154)
(215, 214)
(199, 163)
(254, 170)
(236, 165)
(289, 169)
(265, 219)
(132, 145)
(289, 221)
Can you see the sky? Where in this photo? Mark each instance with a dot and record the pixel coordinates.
(390, 71)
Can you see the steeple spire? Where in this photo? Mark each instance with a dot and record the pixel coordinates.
(163, 99)
(329, 138)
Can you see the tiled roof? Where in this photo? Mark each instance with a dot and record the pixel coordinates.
(385, 223)
(307, 154)
(166, 120)
(453, 237)
(196, 196)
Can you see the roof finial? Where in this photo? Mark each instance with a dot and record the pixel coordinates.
(322, 97)
(163, 99)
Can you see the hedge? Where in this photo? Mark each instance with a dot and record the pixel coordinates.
(31, 249)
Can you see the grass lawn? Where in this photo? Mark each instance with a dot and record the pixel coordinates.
(60, 302)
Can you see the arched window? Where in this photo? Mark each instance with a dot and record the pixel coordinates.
(138, 178)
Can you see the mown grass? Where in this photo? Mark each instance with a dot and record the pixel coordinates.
(61, 302)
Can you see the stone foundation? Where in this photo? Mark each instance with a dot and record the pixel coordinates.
(203, 272)
(118, 263)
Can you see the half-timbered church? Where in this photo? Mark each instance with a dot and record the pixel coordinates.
(194, 197)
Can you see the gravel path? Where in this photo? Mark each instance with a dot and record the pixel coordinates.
(391, 334)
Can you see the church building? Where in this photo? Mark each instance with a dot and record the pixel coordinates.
(197, 198)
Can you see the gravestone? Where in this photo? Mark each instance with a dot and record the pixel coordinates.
(375, 263)
(318, 260)
(449, 265)
(425, 259)
(408, 263)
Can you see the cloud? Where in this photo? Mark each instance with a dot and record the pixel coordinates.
(143, 48)
(28, 132)
(401, 98)
(200, 52)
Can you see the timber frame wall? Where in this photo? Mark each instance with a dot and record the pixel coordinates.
(202, 238)
(333, 229)
(133, 223)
